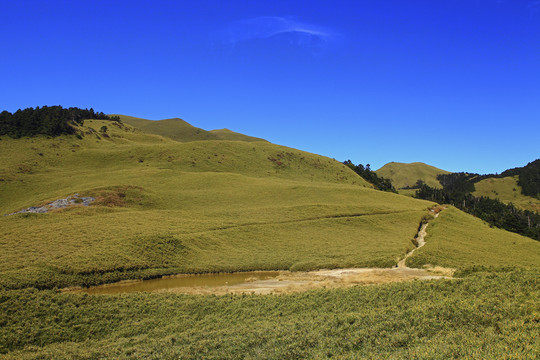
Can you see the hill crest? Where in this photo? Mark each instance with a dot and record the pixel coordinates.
(182, 131)
(405, 175)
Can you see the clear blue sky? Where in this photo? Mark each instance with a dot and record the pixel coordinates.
(453, 83)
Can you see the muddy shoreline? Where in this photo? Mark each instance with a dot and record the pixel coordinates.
(267, 282)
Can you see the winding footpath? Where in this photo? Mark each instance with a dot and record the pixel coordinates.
(302, 281)
(420, 241)
(287, 281)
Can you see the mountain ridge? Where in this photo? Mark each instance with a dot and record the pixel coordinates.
(180, 130)
(404, 175)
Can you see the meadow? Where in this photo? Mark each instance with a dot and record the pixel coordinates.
(458, 240)
(508, 191)
(491, 315)
(180, 130)
(166, 207)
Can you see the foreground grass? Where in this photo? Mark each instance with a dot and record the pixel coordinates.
(485, 315)
(459, 240)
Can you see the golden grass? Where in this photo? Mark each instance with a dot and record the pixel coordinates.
(226, 134)
(403, 175)
(507, 190)
(459, 240)
(166, 207)
(179, 130)
(483, 316)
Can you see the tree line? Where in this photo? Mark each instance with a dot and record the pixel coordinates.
(371, 176)
(46, 120)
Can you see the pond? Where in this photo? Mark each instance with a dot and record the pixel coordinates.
(181, 281)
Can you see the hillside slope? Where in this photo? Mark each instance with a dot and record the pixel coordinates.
(180, 130)
(226, 134)
(508, 191)
(459, 240)
(176, 129)
(405, 175)
(166, 207)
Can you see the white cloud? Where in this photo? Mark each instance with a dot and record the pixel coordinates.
(266, 27)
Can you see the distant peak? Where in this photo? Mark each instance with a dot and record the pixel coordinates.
(172, 119)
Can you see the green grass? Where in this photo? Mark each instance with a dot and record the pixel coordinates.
(483, 316)
(180, 130)
(176, 129)
(507, 190)
(204, 206)
(459, 240)
(34, 170)
(226, 134)
(403, 175)
(407, 192)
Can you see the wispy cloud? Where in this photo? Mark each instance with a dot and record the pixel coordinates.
(266, 27)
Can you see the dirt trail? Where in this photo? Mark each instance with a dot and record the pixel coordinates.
(420, 241)
(288, 282)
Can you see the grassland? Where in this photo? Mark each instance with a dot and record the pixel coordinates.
(483, 316)
(507, 190)
(180, 130)
(459, 240)
(226, 134)
(166, 207)
(201, 206)
(175, 128)
(404, 175)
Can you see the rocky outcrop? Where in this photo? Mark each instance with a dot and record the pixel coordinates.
(71, 200)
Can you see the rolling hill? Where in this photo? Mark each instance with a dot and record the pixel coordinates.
(406, 175)
(226, 134)
(180, 130)
(188, 205)
(168, 207)
(459, 240)
(507, 190)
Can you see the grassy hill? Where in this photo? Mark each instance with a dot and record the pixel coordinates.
(404, 175)
(176, 129)
(507, 190)
(226, 134)
(459, 240)
(180, 130)
(167, 207)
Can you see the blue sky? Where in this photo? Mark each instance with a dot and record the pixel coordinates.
(455, 84)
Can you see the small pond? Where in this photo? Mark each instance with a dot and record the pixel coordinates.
(181, 281)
